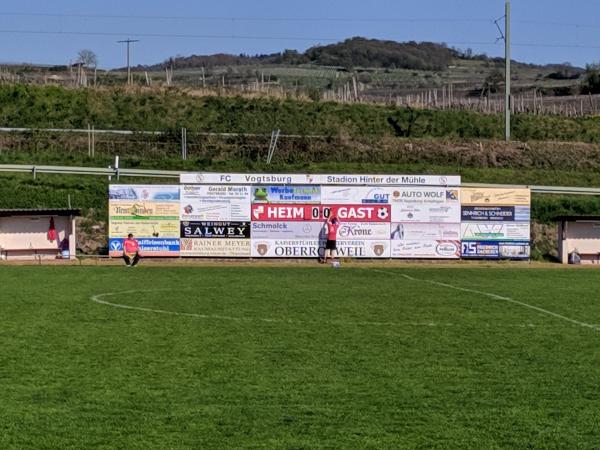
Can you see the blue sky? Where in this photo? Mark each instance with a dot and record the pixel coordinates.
(544, 31)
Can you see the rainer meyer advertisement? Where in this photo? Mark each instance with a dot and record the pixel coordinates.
(425, 231)
(276, 248)
(426, 249)
(215, 247)
(487, 231)
(422, 205)
(355, 195)
(496, 197)
(350, 213)
(228, 230)
(215, 203)
(286, 194)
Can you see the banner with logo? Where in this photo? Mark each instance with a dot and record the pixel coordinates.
(286, 194)
(350, 213)
(144, 228)
(425, 231)
(495, 231)
(496, 197)
(151, 192)
(215, 248)
(148, 247)
(425, 205)
(495, 213)
(355, 195)
(142, 210)
(307, 248)
(221, 230)
(425, 249)
(288, 230)
(215, 203)
(495, 250)
(364, 230)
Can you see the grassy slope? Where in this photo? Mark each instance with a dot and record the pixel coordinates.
(378, 362)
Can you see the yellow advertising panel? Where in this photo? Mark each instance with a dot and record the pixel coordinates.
(496, 197)
(143, 210)
(145, 228)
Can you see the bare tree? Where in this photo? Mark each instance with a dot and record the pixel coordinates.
(87, 58)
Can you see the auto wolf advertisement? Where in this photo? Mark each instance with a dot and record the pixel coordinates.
(425, 231)
(148, 247)
(215, 203)
(495, 213)
(218, 230)
(159, 193)
(425, 205)
(354, 195)
(286, 194)
(496, 250)
(215, 248)
(350, 213)
(284, 248)
(438, 249)
(491, 231)
(496, 197)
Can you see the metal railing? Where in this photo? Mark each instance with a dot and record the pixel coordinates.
(153, 173)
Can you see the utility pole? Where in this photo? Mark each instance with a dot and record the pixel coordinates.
(128, 41)
(507, 71)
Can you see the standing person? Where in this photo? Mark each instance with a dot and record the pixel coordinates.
(131, 251)
(332, 225)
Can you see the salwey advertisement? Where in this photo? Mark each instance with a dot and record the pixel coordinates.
(227, 230)
(215, 203)
(215, 247)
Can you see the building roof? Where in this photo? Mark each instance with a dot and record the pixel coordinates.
(577, 218)
(40, 212)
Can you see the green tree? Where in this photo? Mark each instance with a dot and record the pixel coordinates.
(592, 79)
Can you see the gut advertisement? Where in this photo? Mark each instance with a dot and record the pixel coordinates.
(215, 203)
(487, 231)
(425, 249)
(286, 194)
(218, 230)
(234, 248)
(425, 231)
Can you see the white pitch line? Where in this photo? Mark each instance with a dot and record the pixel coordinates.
(497, 297)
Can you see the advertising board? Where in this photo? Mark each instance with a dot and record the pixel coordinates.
(350, 213)
(307, 248)
(425, 231)
(144, 228)
(344, 195)
(219, 230)
(230, 248)
(364, 230)
(500, 231)
(286, 194)
(215, 203)
(148, 246)
(425, 205)
(438, 249)
(496, 197)
(495, 250)
(161, 193)
(473, 213)
(142, 210)
(288, 230)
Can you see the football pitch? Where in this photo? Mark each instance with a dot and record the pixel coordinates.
(299, 357)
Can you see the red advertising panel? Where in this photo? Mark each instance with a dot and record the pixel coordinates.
(297, 213)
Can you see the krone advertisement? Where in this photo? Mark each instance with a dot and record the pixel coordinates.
(215, 203)
(364, 230)
(426, 249)
(229, 248)
(496, 197)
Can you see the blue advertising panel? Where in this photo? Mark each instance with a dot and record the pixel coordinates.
(495, 250)
(148, 246)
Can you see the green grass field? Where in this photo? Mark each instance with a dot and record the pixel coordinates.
(299, 357)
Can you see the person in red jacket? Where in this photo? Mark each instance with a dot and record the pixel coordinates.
(332, 225)
(131, 251)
